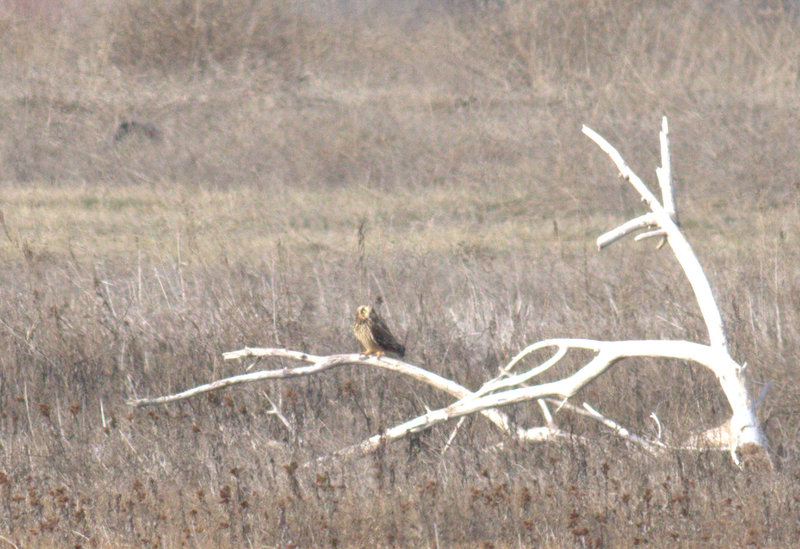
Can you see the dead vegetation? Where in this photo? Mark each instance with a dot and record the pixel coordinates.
(451, 134)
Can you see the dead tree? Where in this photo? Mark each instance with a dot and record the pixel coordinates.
(741, 434)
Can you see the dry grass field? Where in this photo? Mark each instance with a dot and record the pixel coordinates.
(449, 132)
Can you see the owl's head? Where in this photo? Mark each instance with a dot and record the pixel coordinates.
(363, 312)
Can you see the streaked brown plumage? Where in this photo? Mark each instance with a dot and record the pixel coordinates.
(374, 335)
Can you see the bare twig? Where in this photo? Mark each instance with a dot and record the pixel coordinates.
(452, 435)
(657, 421)
(651, 447)
(276, 411)
(548, 417)
(8, 541)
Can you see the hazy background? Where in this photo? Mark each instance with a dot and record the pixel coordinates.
(450, 132)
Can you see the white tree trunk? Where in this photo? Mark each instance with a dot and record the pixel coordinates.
(745, 434)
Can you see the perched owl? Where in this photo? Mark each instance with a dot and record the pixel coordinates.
(374, 335)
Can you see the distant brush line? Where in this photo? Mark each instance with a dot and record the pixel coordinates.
(134, 127)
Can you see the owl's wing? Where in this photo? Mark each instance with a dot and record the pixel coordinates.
(383, 336)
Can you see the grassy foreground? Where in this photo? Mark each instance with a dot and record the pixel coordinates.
(314, 157)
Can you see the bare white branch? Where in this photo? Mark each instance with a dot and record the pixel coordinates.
(533, 434)
(651, 447)
(627, 173)
(548, 417)
(608, 352)
(276, 411)
(510, 381)
(657, 421)
(664, 173)
(645, 221)
(453, 435)
(680, 246)
(650, 234)
(320, 364)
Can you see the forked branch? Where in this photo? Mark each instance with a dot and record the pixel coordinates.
(663, 219)
(746, 433)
